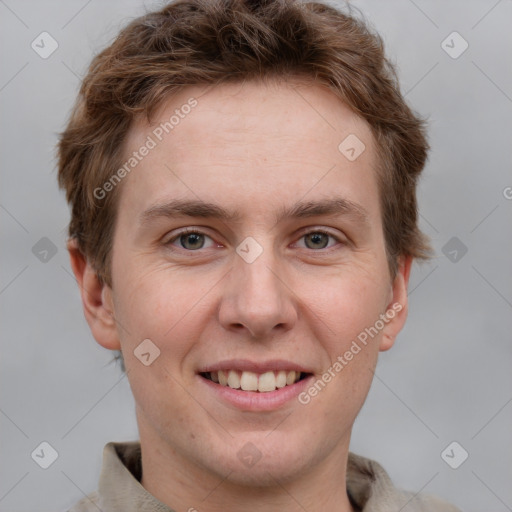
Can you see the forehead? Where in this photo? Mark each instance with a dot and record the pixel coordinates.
(252, 144)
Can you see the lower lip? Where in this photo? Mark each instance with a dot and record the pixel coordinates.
(254, 400)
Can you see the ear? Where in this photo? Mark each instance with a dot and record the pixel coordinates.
(96, 299)
(397, 308)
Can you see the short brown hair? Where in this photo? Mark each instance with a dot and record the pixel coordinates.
(209, 42)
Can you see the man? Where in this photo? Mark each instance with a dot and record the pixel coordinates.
(242, 182)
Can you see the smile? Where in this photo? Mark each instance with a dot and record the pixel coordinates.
(254, 382)
(257, 386)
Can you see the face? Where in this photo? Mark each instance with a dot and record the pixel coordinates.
(249, 248)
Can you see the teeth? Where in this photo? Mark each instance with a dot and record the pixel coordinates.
(281, 379)
(250, 381)
(267, 382)
(233, 380)
(223, 378)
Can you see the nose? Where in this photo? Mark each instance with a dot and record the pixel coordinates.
(257, 299)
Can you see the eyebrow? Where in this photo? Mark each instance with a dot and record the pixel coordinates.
(300, 210)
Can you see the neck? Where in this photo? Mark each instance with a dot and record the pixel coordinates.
(183, 485)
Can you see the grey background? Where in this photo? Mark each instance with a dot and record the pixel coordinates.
(448, 377)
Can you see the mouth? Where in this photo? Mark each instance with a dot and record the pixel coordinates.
(254, 382)
(257, 386)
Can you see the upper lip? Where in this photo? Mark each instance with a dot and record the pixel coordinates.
(246, 365)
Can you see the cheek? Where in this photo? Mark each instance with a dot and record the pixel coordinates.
(347, 318)
(345, 303)
(166, 307)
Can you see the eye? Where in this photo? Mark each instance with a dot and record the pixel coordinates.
(318, 239)
(189, 239)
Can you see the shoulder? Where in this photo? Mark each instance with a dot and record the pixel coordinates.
(371, 488)
(89, 503)
(426, 503)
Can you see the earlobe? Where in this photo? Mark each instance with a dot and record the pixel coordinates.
(397, 308)
(96, 299)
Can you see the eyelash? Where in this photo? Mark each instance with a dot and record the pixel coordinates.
(188, 231)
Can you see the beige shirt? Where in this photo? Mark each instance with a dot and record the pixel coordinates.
(368, 486)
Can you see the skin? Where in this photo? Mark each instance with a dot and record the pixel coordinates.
(256, 148)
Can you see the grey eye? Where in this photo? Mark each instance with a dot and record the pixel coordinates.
(317, 240)
(192, 240)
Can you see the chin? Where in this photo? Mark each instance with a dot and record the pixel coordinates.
(264, 474)
(259, 463)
